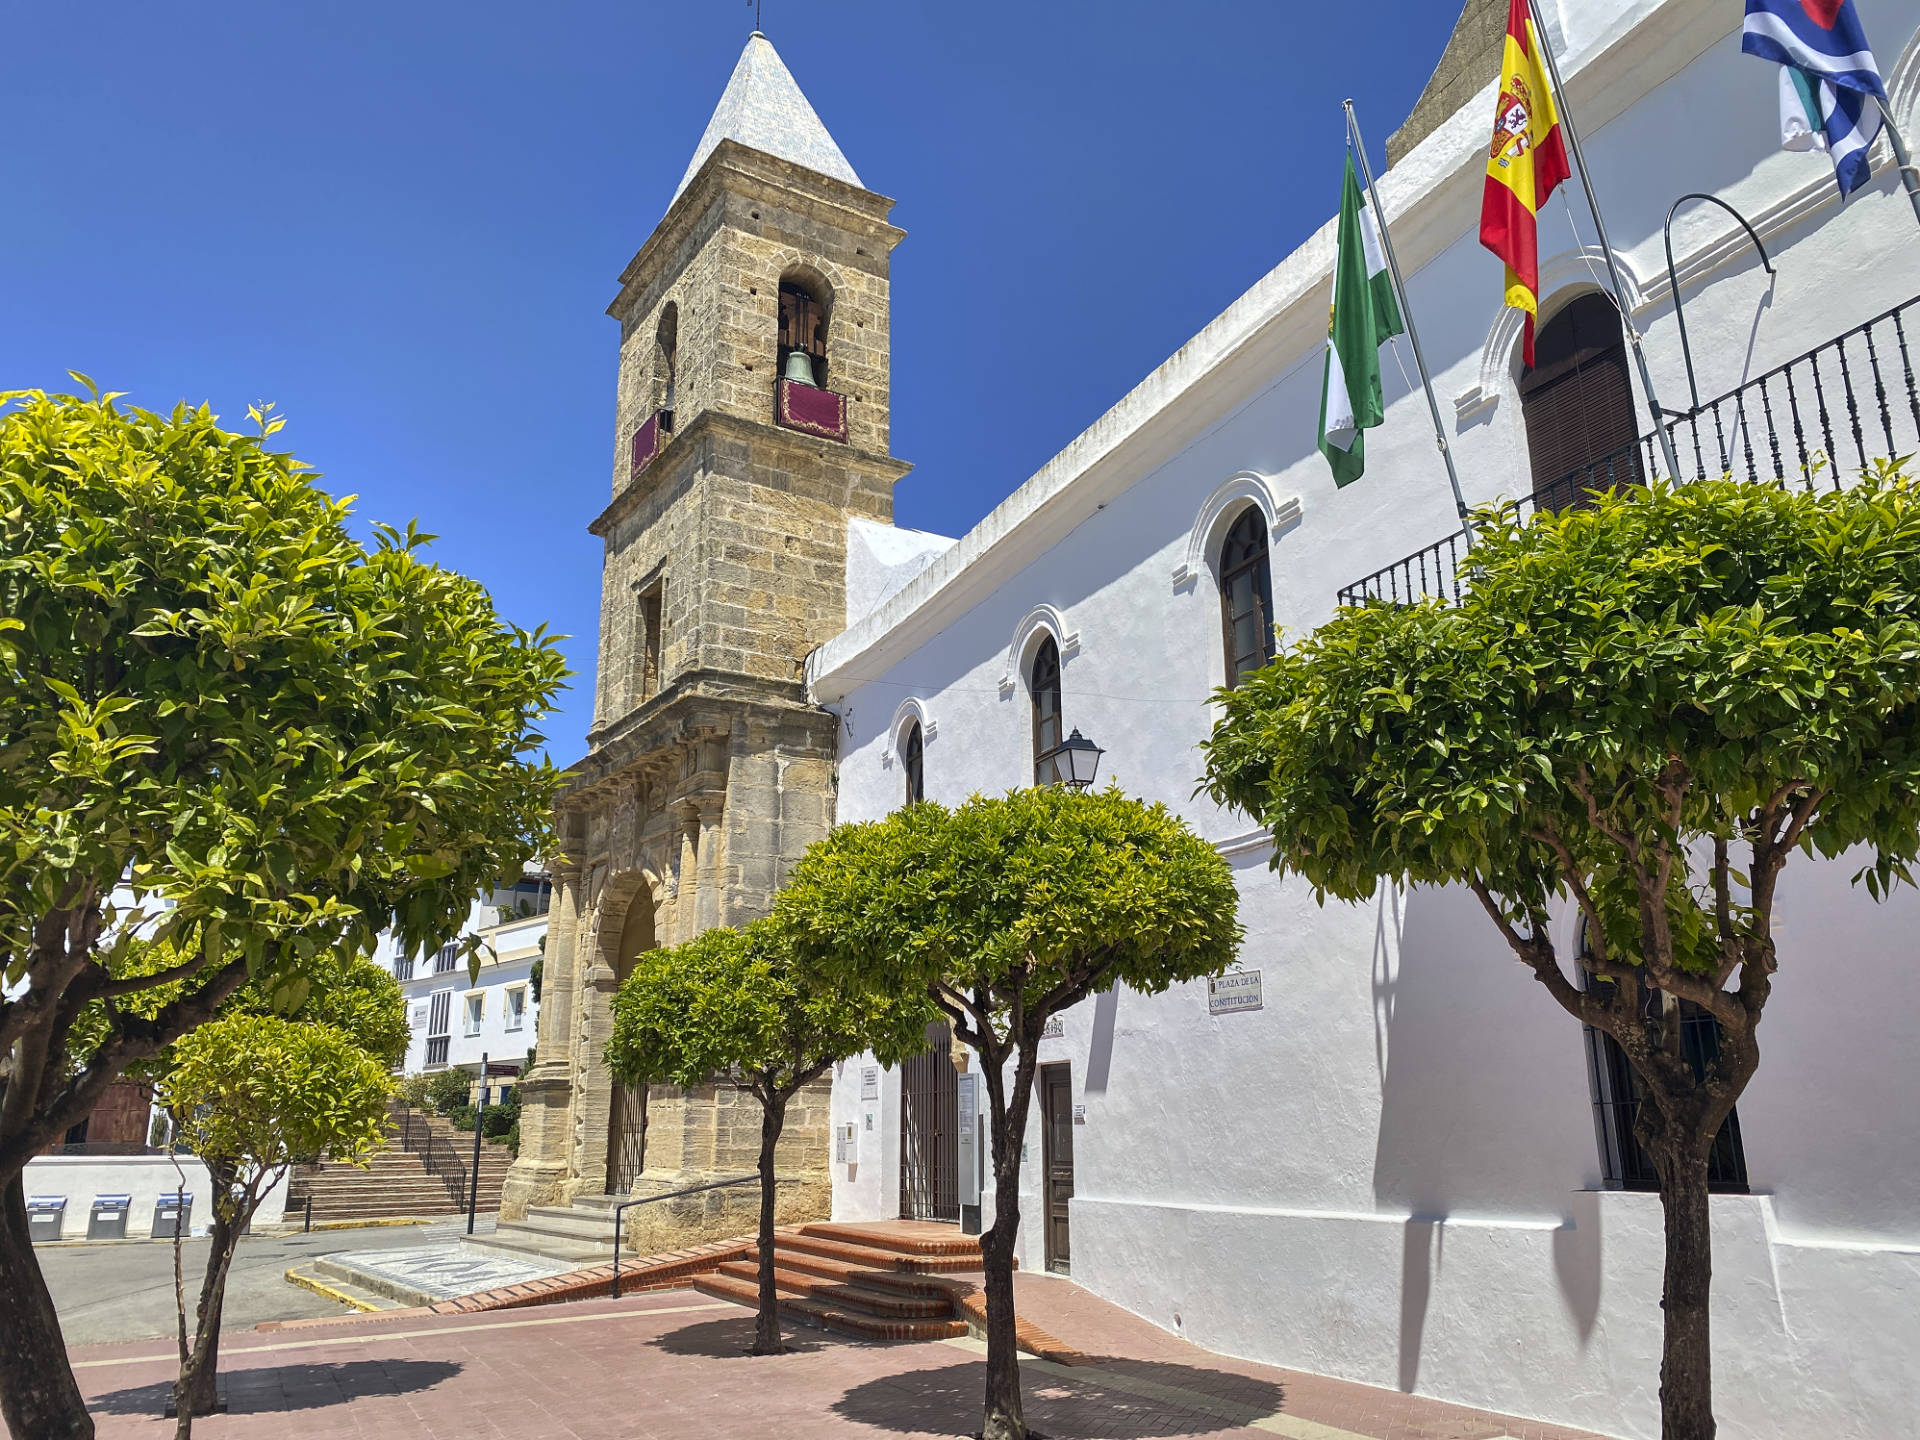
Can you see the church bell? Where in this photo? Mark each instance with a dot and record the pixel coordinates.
(800, 367)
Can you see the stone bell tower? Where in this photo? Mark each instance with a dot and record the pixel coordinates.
(752, 426)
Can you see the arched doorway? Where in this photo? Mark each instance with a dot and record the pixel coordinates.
(627, 1118)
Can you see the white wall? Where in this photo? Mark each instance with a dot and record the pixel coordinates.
(508, 952)
(145, 1177)
(1389, 1173)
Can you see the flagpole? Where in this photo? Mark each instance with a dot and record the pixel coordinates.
(1908, 176)
(1606, 246)
(1406, 314)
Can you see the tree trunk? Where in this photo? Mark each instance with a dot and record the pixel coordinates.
(197, 1391)
(1686, 1362)
(38, 1396)
(766, 1332)
(1007, 1120)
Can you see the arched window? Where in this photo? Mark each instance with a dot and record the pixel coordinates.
(913, 759)
(666, 354)
(1044, 678)
(1246, 596)
(803, 329)
(1578, 404)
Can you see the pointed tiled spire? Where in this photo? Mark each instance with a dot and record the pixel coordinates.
(763, 108)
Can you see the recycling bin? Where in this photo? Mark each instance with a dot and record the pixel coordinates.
(108, 1218)
(45, 1215)
(173, 1214)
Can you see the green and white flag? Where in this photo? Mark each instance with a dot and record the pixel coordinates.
(1365, 316)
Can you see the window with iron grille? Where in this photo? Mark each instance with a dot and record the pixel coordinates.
(403, 967)
(1246, 597)
(1624, 1165)
(443, 961)
(913, 759)
(439, 1012)
(437, 1049)
(1045, 681)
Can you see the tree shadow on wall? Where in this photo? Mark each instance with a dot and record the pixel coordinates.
(1110, 1399)
(277, 1389)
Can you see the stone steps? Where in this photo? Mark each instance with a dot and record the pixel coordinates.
(874, 1282)
(398, 1182)
(520, 1240)
(841, 1318)
(871, 1299)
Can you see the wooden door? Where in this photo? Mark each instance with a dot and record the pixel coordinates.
(1056, 1162)
(930, 1131)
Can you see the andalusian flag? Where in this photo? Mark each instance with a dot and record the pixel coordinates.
(1526, 165)
(1365, 316)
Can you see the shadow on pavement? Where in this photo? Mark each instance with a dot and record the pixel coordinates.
(1088, 1406)
(281, 1388)
(729, 1339)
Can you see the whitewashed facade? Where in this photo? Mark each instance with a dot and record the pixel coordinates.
(1389, 1172)
(455, 1019)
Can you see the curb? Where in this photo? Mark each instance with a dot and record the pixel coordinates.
(320, 1287)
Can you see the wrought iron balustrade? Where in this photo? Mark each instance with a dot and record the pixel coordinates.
(1816, 419)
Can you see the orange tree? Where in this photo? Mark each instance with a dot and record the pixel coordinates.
(1644, 709)
(270, 740)
(734, 1005)
(1005, 912)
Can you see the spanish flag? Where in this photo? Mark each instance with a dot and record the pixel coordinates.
(1527, 162)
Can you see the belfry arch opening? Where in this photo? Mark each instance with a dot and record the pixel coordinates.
(806, 308)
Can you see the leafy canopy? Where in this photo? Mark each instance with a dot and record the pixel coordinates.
(280, 740)
(257, 1092)
(735, 1002)
(1014, 906)
(1625, 692)
(212, 689)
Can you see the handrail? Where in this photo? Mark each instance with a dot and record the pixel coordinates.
(1673, 276)
(620, 1213)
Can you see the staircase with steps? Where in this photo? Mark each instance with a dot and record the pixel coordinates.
(582, 1231)
(877, 1282)
(423, 1170)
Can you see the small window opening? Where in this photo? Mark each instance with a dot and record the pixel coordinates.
(913, 757)
(1246, 597)
(1044, 679)
(647, 674)
(666, 356)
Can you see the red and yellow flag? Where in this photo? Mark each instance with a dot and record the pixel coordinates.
(1526, 165)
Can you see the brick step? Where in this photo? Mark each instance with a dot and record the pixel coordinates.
(904, 1282)
(936, 1240)
(830, 1317)
(867, 1300)
(875, 1259)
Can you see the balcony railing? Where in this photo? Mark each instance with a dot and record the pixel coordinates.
(1827, 412)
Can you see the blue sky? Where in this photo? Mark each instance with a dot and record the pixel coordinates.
(403, 223)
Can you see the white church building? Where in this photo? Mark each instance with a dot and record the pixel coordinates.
(1382, 1155)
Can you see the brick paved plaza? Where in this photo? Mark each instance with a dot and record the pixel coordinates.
(671, 1364)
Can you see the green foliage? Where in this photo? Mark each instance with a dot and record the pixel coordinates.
(412, 1090)
(1029, 900)
(286, 739)
(259, 1091)
(462, 1116)
(1665, 670)
(512, 1140)
(501, 1119)
(534, 974)
(735, 1003)
(447, 1089)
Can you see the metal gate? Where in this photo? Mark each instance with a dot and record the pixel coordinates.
(930, 1131)
(626, 1138)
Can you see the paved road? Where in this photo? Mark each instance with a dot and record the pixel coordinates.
(125, 1292)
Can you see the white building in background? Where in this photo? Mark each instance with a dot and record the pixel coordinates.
(456, 1019)
(1391, 1159)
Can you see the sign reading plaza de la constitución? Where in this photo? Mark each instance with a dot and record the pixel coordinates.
(1232, 993)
